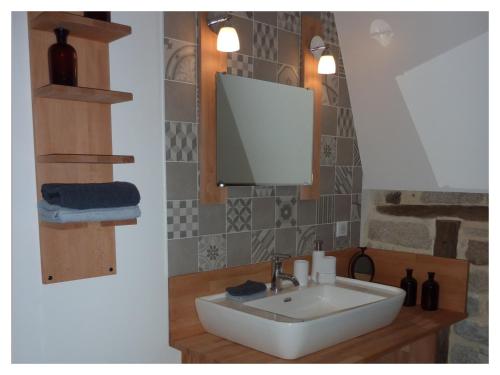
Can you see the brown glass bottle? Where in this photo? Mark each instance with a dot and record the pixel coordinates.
(409, 284)
(62, 60)
(430, 293)
(102, 16)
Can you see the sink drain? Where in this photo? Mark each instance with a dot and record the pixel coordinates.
(287, 299)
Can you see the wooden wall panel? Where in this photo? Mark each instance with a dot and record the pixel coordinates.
(62, 126)
(210, 62)
(312, 80)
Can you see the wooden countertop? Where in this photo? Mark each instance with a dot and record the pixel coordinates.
(412, 324)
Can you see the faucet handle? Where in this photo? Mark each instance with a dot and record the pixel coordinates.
(280, 257)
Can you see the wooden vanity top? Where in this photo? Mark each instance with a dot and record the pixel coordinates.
(412, 324)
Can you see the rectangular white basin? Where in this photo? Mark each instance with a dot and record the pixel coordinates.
(301, 320)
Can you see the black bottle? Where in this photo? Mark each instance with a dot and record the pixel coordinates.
(102, 16)
(409, 284)
(62, 60)
(430, 293)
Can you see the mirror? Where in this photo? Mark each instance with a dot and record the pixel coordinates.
(264, 132)
(361, 266)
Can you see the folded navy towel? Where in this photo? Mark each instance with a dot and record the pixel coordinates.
(247, 288)
(92, 195)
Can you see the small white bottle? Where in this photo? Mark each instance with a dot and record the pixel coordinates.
(317, 258)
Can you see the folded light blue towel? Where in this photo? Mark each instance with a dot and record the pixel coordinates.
(57, 214)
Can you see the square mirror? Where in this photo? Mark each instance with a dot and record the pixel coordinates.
(264, 132)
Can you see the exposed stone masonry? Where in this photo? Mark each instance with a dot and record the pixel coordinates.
(406, 221)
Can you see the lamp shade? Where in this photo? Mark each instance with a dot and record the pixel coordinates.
(227, 40)
(326, 65)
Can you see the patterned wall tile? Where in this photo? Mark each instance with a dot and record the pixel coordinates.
(287, 190)
(262, 245)
(266, 17)
(325, 209)
(289, 21)
(355, 207)
(330, 90)
(341, 242)
(344, 151)
(356, 157)
(345, 123)
(305, 239)
(343, 99)
(357, 180)
(265, 41)
(328, 151)
(343, 180)
(182, 219)
(239, 215)
(180, 61)
(342, 207)
(265, 70)
(240, 65)
(263, 191)
(286, 212)
(288, 48)
(244, 27)
(181, 141)
(180, 25)
(355, 233)
(248, 15)
(212, 254)
(329, 28)
(286, 241)
(288, 75)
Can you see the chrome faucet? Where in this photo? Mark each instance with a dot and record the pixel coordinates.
(278, 274)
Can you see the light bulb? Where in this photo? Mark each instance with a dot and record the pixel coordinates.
(326, 65)
(227, 40)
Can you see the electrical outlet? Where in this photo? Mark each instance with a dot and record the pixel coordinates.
(341, 229)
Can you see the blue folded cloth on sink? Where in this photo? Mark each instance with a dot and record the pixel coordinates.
(57, 214)
(248, 288)
(91, 195)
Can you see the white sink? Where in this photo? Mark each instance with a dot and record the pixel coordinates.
(302, 320)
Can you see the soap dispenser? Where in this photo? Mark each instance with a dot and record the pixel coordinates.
(317, 257)
(409, 284)
(430, 293)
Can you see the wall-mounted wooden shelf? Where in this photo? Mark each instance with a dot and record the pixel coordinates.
(85, 158)
(85, 224)
(81, 27)
(83, 94)
(73, 140)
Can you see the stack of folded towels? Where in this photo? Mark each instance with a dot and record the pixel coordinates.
(69, 203)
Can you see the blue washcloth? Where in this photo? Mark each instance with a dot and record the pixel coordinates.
(91, 195)
(57, 214)
(246, 289)
(247, 298)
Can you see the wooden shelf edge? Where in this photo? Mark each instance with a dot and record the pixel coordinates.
(82, 94)
(85, 224)
(81, 27)
(85, 158)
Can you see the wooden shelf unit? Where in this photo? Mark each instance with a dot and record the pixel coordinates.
(73, 140)
(80, 27)
(83, 94)
(85, 158)
(86, 224)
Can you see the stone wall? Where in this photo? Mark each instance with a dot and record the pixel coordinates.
(442, 224)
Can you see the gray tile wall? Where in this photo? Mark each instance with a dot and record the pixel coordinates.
(255, 222)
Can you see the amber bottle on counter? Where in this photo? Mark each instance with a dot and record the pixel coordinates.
(430, 293)
(62, 60)
(409, 284)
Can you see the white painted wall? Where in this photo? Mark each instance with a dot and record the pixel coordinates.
(420, 105)
(121, 318)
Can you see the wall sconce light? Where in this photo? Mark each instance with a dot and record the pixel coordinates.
(227, 37)
(326, 64)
